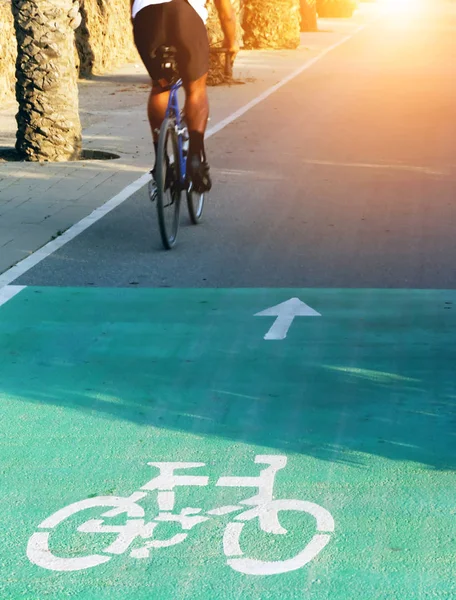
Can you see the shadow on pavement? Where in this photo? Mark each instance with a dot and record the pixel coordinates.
(9, 154)
(125, 79)
(384, 388)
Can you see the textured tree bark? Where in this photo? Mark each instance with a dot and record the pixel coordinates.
(104, 39)
(309, 15)
(272, 23)
(7, 54)
(48, 122)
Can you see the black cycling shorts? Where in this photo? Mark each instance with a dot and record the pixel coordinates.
(177, 24)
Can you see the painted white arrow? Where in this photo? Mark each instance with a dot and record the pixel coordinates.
(286, 313)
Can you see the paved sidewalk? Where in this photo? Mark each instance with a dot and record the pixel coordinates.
(40, 201)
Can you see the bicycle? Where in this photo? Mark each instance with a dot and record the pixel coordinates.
(171, 163)
(139, 537)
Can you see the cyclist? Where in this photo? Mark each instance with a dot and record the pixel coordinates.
(181, 24)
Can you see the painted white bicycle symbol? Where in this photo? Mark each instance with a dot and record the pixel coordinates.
(261, 506)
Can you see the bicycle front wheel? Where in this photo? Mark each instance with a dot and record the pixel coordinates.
(168, 184)
(268, 520)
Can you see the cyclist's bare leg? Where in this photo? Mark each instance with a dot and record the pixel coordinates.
(196, 104)
(156, 109)
(197, 114)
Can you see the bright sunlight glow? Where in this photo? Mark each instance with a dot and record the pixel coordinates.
(400, 6)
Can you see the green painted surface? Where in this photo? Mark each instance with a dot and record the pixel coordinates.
(362, 402)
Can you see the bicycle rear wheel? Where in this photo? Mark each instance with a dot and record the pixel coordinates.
(195, 203)
(168, 184)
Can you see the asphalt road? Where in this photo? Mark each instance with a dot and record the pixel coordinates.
(345, 177)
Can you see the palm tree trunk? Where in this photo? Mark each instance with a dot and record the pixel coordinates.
(272, 23)
(309, 15)
(333, 9)
(46, 90)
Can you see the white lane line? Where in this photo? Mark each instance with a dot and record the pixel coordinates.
(307, 65)
(9, 291)
(31, 261)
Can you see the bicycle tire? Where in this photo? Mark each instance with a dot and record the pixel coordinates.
(195, 204)
(39, 553)
(249, 566)
(168, 184)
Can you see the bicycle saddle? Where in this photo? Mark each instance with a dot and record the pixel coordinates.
(165, 57)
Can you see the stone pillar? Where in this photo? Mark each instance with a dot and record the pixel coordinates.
(272, 24)
(46, 73)
(309, 15)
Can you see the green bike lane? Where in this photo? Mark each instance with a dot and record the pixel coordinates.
(358, 404)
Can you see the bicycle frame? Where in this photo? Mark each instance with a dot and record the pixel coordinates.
(173, 112)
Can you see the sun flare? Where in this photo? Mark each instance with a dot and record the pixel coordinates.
(400, 5)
